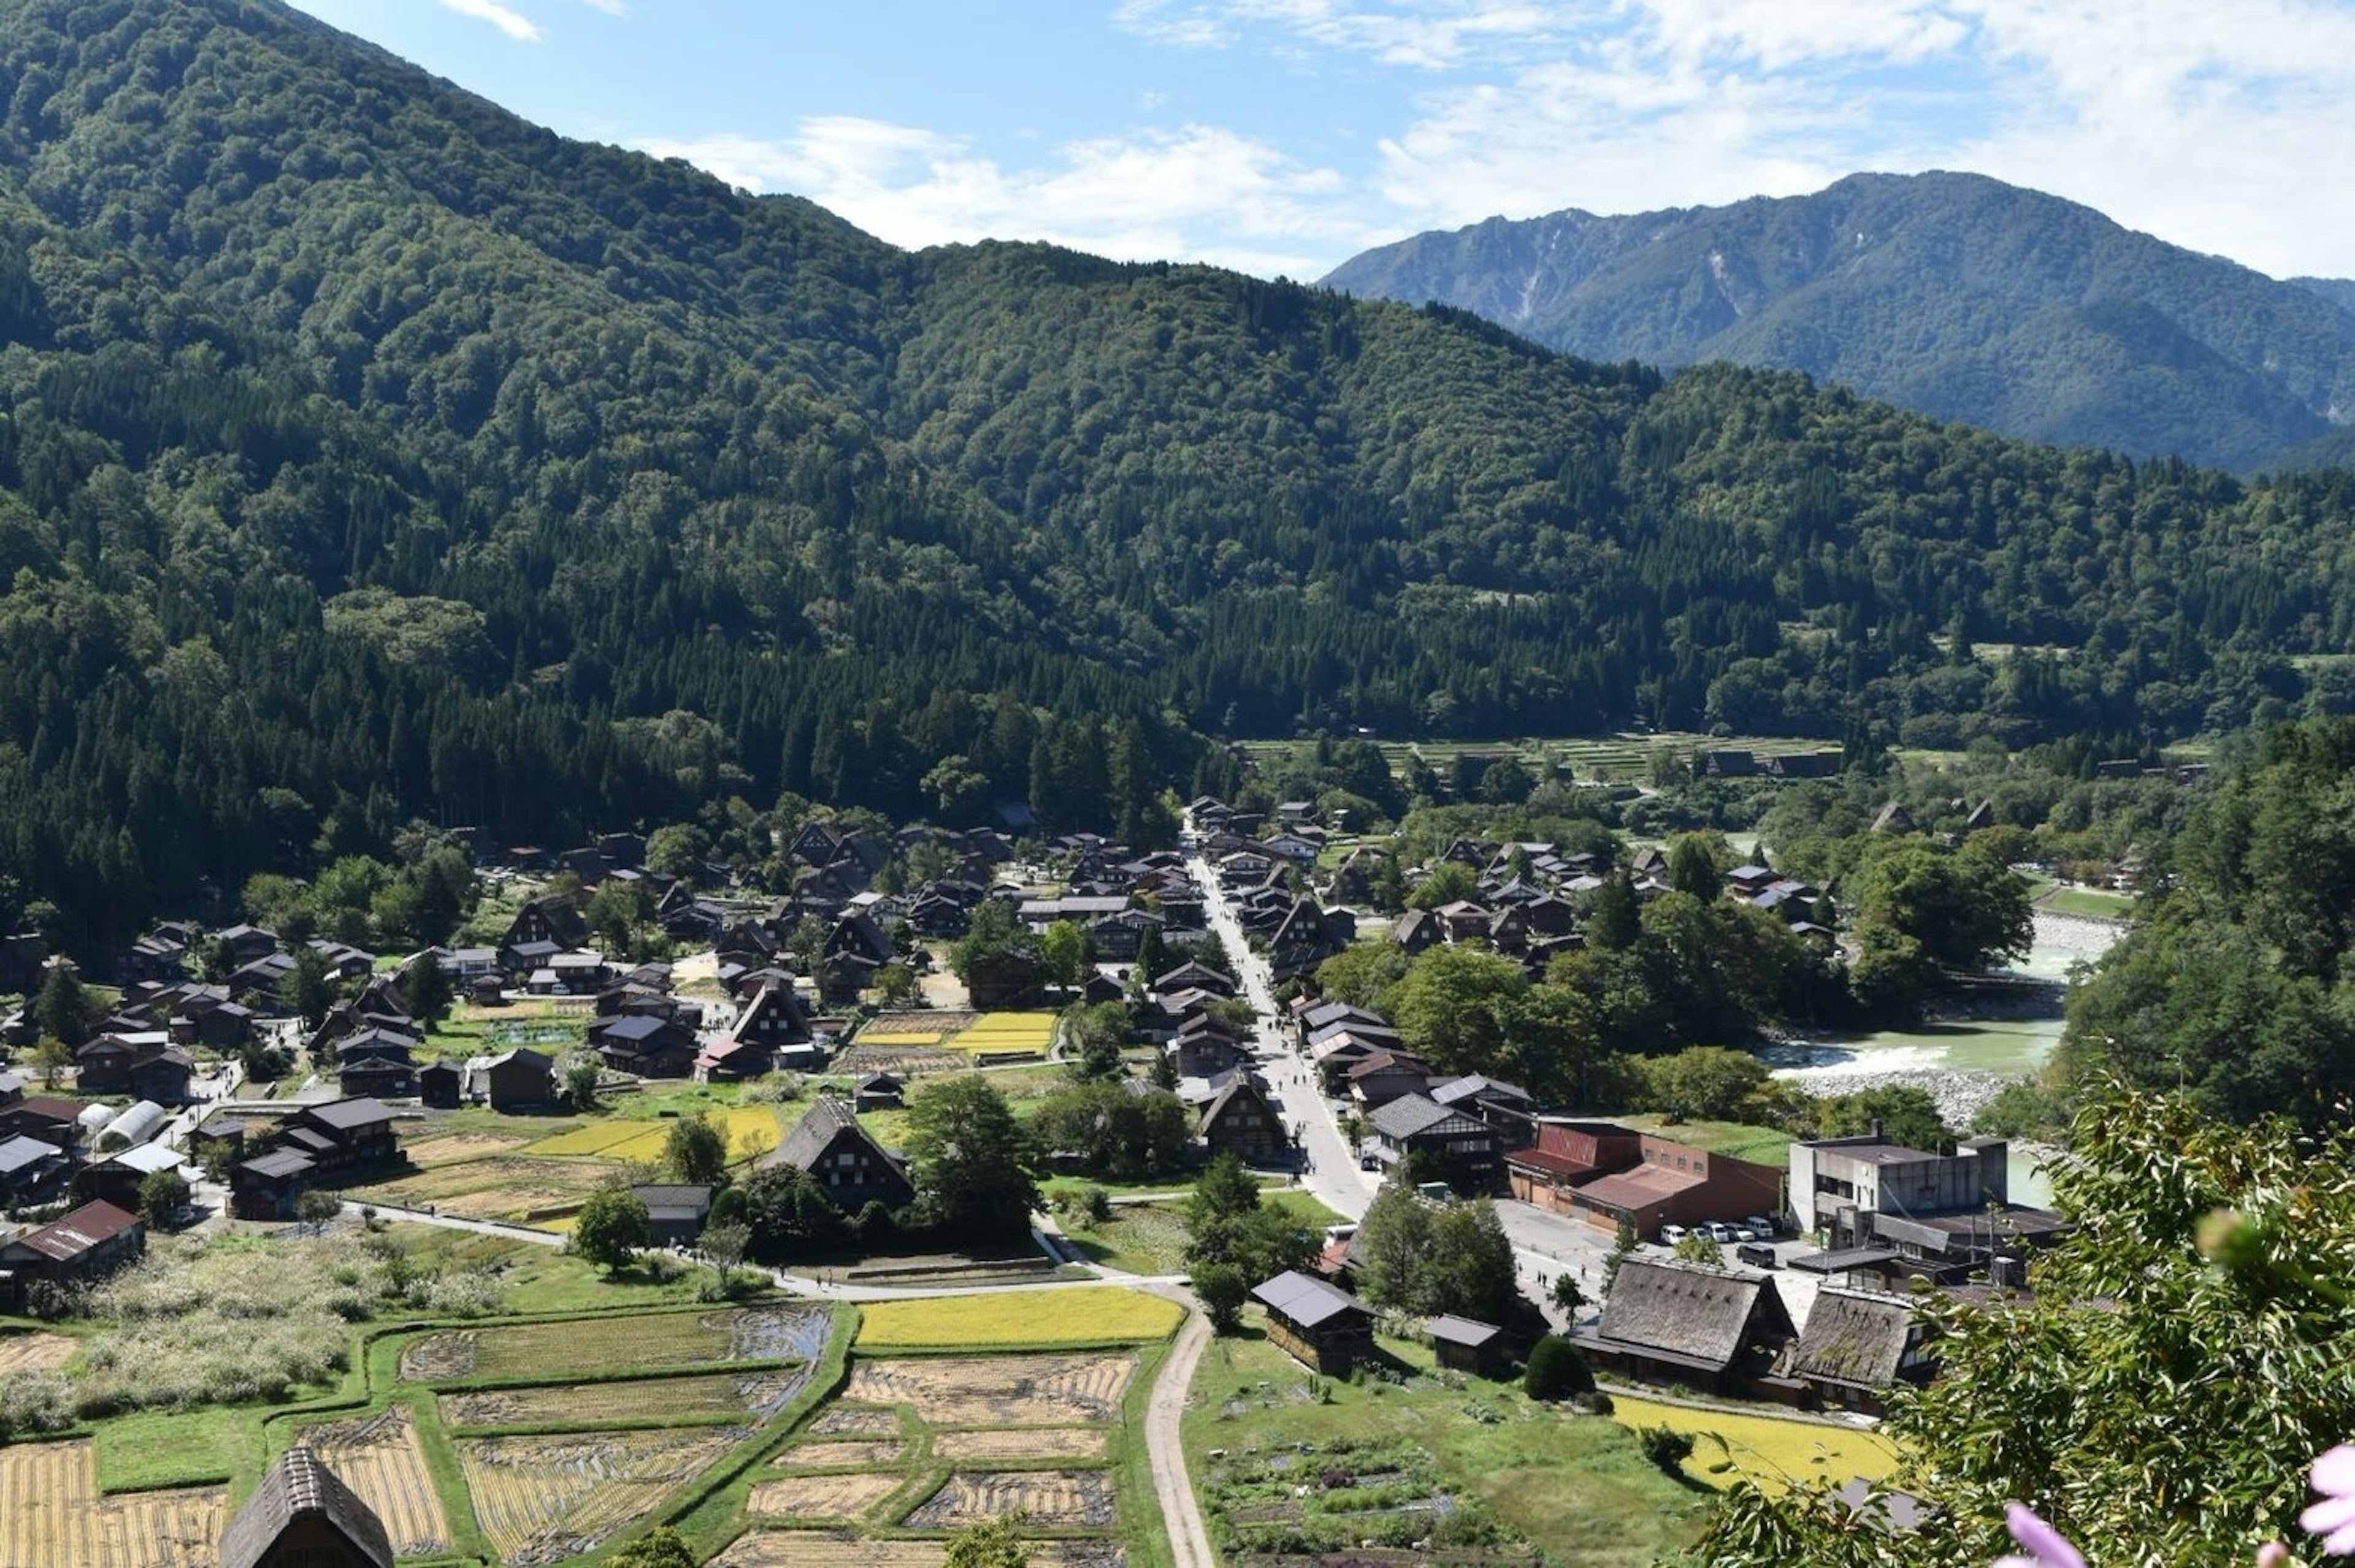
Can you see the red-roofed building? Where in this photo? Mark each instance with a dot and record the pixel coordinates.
(95, 1239)
(1604, 1173)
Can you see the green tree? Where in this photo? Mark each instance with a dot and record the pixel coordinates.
(307, 986)
(972, 1159)
(1222, 1290)
(427, 991)
(1229, 1225)
(1556, 1370)
(1064, 949)
(1624, 1242)
(580, 1075)
(993, 1544)
(53, 1057)
(660, 1549)
(1451, 881)
(1695, 1247)
(1697, 866)
(1362, 973)
(695, 1151)
(611, 1227)
(162, 1194)
(65, 1009)
(1567, 1293)
(1446, 1007)
(896, 985)
(1612, 922)
(1703, 1083)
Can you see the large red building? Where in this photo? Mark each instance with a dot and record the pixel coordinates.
(1604, 1173)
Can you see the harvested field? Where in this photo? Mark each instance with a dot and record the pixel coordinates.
(664, 1339)
(750, 1129)
(998, 1391)
(1018, 1317)
(601, 1404)
(906, 1061)
(849, 1451)
(1031, 1031)
(378, 1458)
(452, 1148)
(489, 1188)
(812, 1549)
(848, 1421)
(543, 1499)
(51, 1515)
(1049, 1443)
(36, 1352)
(1064, 1498)
(824, 1497)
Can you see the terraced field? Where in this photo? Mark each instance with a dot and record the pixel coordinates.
(378, 1458)
(36, 1352)
(1048, 1443)
(824, 1497)
(543, 1499)
(751, 1130)
(998, 1391)
(547, 1351)
(1056, 1499)
(812, 1549)
(1036, 1317)
(714, 1394)
(51, 1515)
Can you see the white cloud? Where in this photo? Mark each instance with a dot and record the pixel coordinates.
(1198, 192)
(514, 23)
(611, 7)
(1429, 33)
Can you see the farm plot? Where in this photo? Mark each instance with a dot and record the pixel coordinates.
(1047, 1442)
(848, 1421)
(1005, 1032)
(751, 1130)
(36, 1352)
(543, 1499)
(51, 1515)
(717, 1395)
(811, 1549)
(379, 1458)
(842, 1453)
(493, 1188)
(824, 1497)
(912, 1027)
(527, 1351)
(1091, 1316)
(998, 1391)
(456, 1148)
(1061, 1498)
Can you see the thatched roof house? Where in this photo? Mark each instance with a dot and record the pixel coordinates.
(1668, 1320)
(303, 1516)
(1858, 1344)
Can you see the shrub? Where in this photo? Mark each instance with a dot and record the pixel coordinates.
(1593, 1403)
(1666, 1446)
(1222, 1290)
(1556, 1371)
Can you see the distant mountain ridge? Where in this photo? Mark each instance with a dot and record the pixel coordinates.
(1952, 293)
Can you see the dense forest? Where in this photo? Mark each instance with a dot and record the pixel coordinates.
(371, 454)
(1951, 293)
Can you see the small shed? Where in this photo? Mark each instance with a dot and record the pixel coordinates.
(440, 1084)
(1466, 1344)
(877, 1091)
(1316, 1323)
(675, 1213)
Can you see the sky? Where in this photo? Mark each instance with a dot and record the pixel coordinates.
(1284, 136)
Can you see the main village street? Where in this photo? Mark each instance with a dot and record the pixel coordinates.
(1545, 1245)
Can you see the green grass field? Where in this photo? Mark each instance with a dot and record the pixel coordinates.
(1150, 1238)
(1736, 1140)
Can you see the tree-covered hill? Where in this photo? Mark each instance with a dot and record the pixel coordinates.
(370, 454)
(1952, 293)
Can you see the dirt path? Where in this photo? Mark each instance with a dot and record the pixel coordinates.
(1181, 1516)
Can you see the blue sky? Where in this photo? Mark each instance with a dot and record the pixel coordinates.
(1285, 135)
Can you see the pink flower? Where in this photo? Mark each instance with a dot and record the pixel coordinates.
(2273, 1555)
(2043, 1544)
(2333, 1518)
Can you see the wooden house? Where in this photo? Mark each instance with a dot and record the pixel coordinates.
(1467, 1345)
(877, 1091)
(1316, 1322)
(551, 921)
(1670, 1322)
(854, 1169)
(441, 1086)
(1415, 1132)
(518, 1080)
(675, 1211)
(87, 1245)
(1238, 1120)
(647, 1047)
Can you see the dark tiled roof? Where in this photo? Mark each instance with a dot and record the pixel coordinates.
(346, 1114)
(298, 1487)
(1450, 1329)
(1305, 1299)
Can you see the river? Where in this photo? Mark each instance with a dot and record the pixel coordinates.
(1964, 1057)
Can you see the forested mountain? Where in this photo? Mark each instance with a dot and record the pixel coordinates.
(1951, 293)
(370, 453)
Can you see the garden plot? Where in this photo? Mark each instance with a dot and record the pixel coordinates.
(719, 1395)
(378, 1458)
(847, 1496)
(543, 1499)
(1054, 1499)
(848, 1421)
(811, 1549)
(1049, 1443)
(528, 1351)
(492, 1188)
(36, 1352)
(456, 1148)
(842, 1452)
(51, 1515)
(998, 1390)
(751, 1130)
(1385, 1499)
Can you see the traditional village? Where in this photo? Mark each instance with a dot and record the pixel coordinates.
(1054, 1187)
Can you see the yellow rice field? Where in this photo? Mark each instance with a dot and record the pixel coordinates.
(51, 1515)
(751, 1129)
(1005, 1031)
(901, 1037)
(1765, 1449)
(1036, 1317)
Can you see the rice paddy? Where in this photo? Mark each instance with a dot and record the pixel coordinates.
(1029, 1317)
(1771, 1451)
(751, 1130)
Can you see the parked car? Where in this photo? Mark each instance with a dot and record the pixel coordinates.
(1719, 1232)
(1762, 1225)
(1370, 1162)
(1757, 1254)
(1671, 1234)
(1747, 1234)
